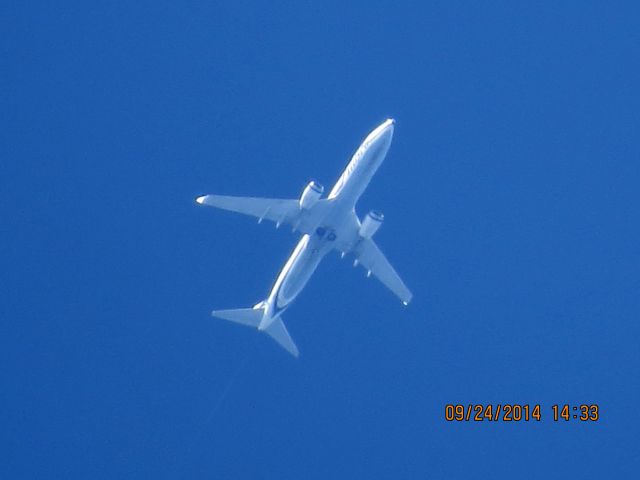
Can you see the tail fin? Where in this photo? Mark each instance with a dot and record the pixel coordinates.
(252, 318)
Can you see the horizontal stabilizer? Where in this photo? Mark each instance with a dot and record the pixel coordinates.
(252, 318)
(279, 333)
(245, 316)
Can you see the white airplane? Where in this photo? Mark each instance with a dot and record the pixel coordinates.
(326, 224)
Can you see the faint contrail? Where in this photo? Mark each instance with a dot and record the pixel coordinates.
(227, 388)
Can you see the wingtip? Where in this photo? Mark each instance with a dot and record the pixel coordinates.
(407, 299)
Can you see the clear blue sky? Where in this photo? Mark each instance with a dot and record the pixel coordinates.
(511, 201)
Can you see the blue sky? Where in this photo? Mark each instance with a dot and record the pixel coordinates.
(511, 210)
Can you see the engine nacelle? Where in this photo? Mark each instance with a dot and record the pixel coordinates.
(310, 195)
(371, 224)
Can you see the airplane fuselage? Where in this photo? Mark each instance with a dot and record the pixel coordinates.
(335, 226)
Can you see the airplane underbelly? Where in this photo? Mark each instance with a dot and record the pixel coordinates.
(298, 277)
(367, 166)
(299, 274)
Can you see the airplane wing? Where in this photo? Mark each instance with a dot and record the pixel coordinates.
(371, 258)
(275, 209)
(278, 210)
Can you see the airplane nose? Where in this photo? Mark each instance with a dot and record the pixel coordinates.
(388, 127)
(382, 132)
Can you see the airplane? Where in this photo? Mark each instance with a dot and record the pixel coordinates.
(326, 224)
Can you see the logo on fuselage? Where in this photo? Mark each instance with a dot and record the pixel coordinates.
(348, 171)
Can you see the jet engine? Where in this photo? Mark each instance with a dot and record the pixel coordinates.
(310, 195)
(371, 224)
